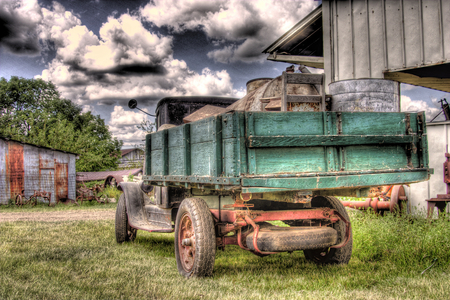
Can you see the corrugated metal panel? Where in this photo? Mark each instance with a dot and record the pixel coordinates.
(61, 181)
(72, 178)
(47, 172)
(368, 38)
(31, 172)
(15, 169)
(61, 176)
(4, 175)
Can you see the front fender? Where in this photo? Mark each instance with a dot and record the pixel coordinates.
(134, 199)
(140, 216)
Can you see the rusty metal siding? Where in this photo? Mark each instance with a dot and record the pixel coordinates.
(61, 181)
(4, 174)
(61, 176)
(47, 172)
(15, 169)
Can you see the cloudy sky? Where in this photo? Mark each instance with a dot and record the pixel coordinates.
(102, 53)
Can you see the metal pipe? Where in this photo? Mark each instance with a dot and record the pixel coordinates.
(397, 199)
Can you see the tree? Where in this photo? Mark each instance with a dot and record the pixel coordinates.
(32, 111)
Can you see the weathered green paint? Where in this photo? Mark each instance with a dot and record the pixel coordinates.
(157, 140)
(375, 157)
(328, 140)
(363, 123)
(291, 123)
(292, 151)
(289, 160)
(187, 149)
(148, 154)
(333, 182)
(202, 159)
(217, 146)
(157, 162)
(160, 179)
(179, 150)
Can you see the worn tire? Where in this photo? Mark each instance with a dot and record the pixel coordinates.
(280, 239)
(124, 233)
(194, 224)
(332, 255)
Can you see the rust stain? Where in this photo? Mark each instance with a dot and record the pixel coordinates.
(61, 181)
(45, 163)
(15, 168)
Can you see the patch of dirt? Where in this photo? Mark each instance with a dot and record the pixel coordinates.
(58, 216)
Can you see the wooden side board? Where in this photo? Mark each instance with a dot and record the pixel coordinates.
(349, 149)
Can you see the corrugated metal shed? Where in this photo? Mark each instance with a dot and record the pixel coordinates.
(32, 168)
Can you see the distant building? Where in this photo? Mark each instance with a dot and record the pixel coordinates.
(27, 167)
(132, 158)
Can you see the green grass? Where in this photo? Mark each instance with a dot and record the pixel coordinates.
(80, 260)
(43, 207)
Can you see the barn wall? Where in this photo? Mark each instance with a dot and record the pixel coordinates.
(364, 38)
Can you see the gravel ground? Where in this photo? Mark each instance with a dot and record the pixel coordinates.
(58, 216)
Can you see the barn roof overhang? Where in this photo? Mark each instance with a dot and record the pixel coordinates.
(435, 76)
(302, 44)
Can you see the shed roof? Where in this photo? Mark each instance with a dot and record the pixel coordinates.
(126, 151)
(34, 145)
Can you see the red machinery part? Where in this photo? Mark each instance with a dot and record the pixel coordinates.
(397, 201)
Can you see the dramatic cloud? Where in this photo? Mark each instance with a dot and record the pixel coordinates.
(249, 25)
(418, 105)
(123, 125)
(19, 22)
(125, 61)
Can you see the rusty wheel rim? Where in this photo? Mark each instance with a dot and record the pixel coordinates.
(186, 250)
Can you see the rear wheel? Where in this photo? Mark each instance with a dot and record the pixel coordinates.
(124, 232)
(195, 239)
(332, 255)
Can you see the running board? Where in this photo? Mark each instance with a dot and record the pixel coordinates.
(148, 217)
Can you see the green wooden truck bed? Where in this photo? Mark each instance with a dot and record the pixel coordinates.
(256, 152)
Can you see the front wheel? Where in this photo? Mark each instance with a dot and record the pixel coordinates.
(124, 232)
(332, 255)
(195, 239)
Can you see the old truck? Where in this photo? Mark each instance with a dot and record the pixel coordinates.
(223, 179)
